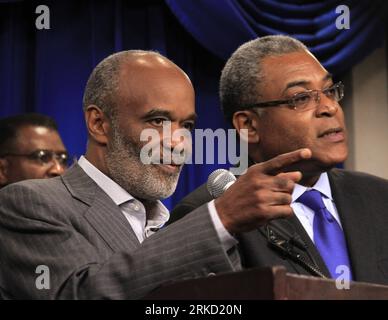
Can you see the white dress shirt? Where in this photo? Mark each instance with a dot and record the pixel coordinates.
(304, 213)
(146, 221)
(143, 224)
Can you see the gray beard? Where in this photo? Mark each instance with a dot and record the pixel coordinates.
(143, 181)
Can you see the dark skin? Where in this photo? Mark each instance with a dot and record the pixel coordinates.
(289, 146)
(282, 129)
(28, 140)
(151, 90)
(152, 82)
(263, 193)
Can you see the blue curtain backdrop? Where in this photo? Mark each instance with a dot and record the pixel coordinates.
(221, 26)
(46, 70)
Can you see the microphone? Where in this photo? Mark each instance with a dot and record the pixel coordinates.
(280, 233)
(219, 181)
(286, 246)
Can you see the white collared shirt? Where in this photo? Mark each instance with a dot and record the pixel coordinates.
(134, 211)
(143, 224)
(304, 213)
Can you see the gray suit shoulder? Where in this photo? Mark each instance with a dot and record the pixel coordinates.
(43, 199)
(34, 186)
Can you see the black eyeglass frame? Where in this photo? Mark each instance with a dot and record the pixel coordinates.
(291, 101)
(37, 155)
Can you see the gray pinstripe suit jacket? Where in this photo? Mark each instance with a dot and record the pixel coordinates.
(71, 226)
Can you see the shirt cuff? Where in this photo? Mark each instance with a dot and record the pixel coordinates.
(227, 240)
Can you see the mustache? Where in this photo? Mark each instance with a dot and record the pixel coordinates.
(157, 154)
(150, 153)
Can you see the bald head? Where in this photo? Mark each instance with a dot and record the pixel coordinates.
(123, 69)
(128, 93)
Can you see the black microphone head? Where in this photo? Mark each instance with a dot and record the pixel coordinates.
(219, 181)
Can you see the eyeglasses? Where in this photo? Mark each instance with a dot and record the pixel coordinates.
(44, 157)
(305, 100)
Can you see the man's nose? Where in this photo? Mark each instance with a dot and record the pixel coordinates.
(56, 169)
(179, 136)
(326, 107)
(174, 145)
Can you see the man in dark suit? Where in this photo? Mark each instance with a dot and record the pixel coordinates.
(92, 233)
(335, 222)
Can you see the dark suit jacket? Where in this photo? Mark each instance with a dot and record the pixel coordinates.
(362, 203)
(71, 226)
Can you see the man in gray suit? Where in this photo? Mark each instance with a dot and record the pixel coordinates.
(91, 233)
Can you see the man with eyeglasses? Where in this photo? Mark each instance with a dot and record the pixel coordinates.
(30, 148)
(312, 218)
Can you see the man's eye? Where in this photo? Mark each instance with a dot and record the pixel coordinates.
(158, 121)
(302, 98)
(189, 126)
(63, 158)
(46, 157)
(330, 92)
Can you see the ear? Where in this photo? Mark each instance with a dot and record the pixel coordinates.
(3, 172)
(98, 124)
(248, 120)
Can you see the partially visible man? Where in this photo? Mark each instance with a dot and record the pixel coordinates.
(30, 148)
(337, 223)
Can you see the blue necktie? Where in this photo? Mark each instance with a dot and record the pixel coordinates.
(328, 235)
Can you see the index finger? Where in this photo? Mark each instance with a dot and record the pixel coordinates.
(279, 163)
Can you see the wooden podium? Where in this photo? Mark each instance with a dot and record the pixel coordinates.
(265, 284)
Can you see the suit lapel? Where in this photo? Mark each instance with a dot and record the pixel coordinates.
(352, 209)
(293, 226)
(103, 214)
(311, 250)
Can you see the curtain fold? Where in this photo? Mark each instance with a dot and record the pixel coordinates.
(222, 26)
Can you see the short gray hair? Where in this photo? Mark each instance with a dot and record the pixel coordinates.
(242, 74)
(101, 87)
